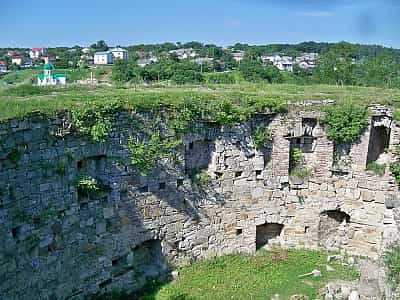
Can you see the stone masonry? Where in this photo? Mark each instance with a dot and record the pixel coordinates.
(58, 244)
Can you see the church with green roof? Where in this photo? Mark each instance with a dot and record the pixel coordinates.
(48, 77)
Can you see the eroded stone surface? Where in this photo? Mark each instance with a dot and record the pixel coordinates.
(57, 244)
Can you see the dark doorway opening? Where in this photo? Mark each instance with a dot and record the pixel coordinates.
(378, 141)
(266, 233)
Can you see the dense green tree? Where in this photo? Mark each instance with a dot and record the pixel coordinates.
(123, 71)
(99, 46)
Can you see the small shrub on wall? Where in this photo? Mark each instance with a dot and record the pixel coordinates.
(345, 121)
(262, 136)
(378, 169)
(89, 187)
(392, 262)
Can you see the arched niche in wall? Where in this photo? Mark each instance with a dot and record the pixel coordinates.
(333, 229)
(268, 234)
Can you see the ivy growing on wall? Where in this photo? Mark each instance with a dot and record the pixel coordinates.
(95, 119)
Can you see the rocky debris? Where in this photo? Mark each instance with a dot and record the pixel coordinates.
(314, 273)
(370, 280)
(340, 290)
(354, 296)
(299, 297)
(174, 275)
(338, 257)
(351, 261)
(392, 201)
(275, 297)
(329, 268)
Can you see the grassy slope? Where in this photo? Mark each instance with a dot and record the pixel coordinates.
(253, 277)
(29, 75)
(15, 104)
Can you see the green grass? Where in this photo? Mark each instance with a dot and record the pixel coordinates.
(21, 76)
(392, 262)
(252, 277)
(377, 169)
(55, 99)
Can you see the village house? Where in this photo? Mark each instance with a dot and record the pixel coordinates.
(3, 66)
(283, 63)
(48, 77)
(238, 55)
(48, 58)
(85, 50)
(119, 53)
(35, 53)
(11, 53)
(184, 53)
(103, 58)
(307, 60)
(27, 62)
(142, 62)
(203, 60)
(17, 59)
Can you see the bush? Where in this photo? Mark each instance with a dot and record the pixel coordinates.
(378, 169)
(345, 121)
(300, 172)
(395, 170)
(392, 262)
(146, 154)
(296, 157)
(200, 177)
(261, 137)
(88, 186)
(95, 119)
(221, 78)
(297, 164)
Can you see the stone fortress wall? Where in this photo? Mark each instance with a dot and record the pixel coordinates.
(58, 244)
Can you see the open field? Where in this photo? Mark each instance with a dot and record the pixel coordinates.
(253, 277)
(22, 99)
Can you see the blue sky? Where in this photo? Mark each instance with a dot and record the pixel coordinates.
(28, 23)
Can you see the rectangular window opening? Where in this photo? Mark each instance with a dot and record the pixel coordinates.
(179, 182)
(144, 189)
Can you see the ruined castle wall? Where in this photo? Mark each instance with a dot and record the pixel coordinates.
(56, 243)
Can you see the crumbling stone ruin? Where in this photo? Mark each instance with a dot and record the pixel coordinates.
(60, 242)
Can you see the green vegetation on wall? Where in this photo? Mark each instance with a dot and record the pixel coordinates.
(146, 153)
(94, 120)
(262, 136)
(378, 169)
(297, 164)
(200, 177)
(395, 166)
(89, 187)
(392, 262)
(344, 121)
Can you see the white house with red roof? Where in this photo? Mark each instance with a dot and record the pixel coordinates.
(17, 59)
(37, 52)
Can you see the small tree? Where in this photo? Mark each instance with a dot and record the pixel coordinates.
(345, 121)
(122, 71)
